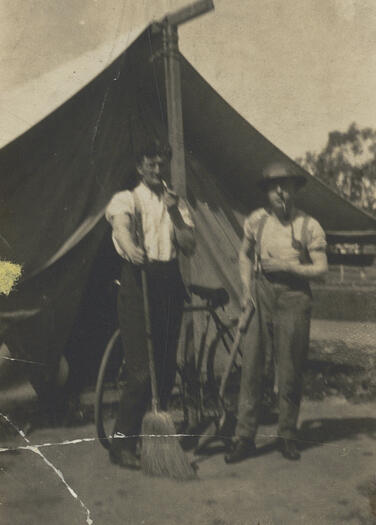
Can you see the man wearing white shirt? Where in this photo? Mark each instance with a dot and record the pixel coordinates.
(167, 229)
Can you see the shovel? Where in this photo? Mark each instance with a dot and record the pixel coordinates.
(222, 427)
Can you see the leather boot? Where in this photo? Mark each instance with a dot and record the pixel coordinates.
(242, 449)
(125, 458)
(289, 449)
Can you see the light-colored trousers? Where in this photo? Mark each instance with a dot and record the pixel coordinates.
(280, 327)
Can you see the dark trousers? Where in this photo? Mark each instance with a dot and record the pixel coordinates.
(166, 298)
(281, 323)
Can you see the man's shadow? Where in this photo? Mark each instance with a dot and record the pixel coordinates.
(312, 433)
(317, 432)
(218, 440)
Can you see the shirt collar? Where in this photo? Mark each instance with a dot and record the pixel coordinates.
(145, 188)
(295, 214)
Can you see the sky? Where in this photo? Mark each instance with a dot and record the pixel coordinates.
(295, 69)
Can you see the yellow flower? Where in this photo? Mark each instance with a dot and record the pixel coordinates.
(9, 275)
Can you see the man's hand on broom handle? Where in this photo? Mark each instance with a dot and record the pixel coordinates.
(137, 255)
(246, 315)
(123, 234)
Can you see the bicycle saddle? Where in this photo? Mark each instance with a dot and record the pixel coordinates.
(216, 297)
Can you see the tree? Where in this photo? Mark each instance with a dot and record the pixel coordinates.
(347, 164)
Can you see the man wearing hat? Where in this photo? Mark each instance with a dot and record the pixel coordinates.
(283, 248)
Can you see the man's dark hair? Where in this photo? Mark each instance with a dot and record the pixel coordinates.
(152, 148)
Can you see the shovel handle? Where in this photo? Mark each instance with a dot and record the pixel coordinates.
(241, 328)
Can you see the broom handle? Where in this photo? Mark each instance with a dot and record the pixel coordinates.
(149, 340)
(153, 376)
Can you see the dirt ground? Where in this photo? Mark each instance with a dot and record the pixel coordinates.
(63, 475)
(74, 483)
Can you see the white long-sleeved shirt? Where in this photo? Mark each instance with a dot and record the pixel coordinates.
(158, 229)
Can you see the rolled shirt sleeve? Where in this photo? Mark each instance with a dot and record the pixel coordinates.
(157, 225)
(317, 237)
(251, 224)
(185, 213)
(248, 230)
(122, 203)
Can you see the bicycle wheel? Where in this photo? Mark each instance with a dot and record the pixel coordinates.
(111, 378)
(218, 353)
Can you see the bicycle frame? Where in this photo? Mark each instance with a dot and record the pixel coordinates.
(219, 324)
(191, 378)
(222, 329)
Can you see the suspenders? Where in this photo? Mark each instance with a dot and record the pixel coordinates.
(138, 227)
(260, 229)
(300, 245)
(304, 257)
(305, 231)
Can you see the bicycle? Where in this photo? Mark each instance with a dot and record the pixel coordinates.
(209, 364)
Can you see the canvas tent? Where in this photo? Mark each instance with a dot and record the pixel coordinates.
(57, 178)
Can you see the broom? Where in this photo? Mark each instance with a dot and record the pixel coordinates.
(161, 453)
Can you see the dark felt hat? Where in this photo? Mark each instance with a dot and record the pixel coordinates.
(280, 171)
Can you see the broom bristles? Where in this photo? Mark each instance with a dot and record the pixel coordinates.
(161, 453)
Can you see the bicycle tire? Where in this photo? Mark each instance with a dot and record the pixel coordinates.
(104, 439)
(212, 377)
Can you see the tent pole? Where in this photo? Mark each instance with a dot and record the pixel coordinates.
(178, 173)
(173, 87)
(174, 109)
(178, 182)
